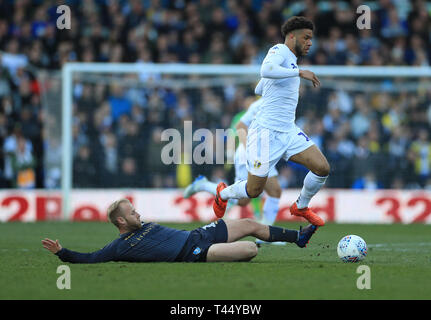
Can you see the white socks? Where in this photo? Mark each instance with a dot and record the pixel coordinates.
(211, 187)
(270, 210)
(235, 191)
(312, 184)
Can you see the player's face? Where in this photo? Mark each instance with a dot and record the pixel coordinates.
(303, 41)
(132, 217)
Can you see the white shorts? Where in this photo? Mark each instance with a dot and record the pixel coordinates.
(241, 172)
(265, 147)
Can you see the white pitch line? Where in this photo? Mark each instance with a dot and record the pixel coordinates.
(400, 247)
(377, 245)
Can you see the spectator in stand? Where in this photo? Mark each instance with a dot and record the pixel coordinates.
(10, 147)
(367, 182)
(109, 159)
(132, 143)
(128, 175)
(23, 165)
(119, 104)
(158, 167)
(85, 173)
(422, 150)
(52, 161)
(360, 121)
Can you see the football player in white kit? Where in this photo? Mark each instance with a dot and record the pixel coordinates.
(273, 133)
(272, 187)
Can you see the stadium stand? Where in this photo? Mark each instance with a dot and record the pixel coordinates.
(371, 140)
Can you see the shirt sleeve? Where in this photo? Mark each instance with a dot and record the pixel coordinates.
(271, 67)
(103, 255)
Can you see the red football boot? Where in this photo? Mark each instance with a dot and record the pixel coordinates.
(219, 205)
(307, 214)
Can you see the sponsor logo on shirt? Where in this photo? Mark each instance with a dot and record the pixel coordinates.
(272, 50)
(212, 224)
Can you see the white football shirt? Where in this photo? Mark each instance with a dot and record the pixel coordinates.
(280, 89)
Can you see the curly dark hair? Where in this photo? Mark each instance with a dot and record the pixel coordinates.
(296, 23)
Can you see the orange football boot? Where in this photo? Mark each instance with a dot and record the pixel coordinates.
(306, 213)
(219, 205)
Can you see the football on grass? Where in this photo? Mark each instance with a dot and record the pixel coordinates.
(352, 248)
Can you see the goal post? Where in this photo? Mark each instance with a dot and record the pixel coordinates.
(249, 73)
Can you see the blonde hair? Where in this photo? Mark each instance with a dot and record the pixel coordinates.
(114, 211)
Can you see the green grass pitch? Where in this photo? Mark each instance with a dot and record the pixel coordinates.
(399, 257)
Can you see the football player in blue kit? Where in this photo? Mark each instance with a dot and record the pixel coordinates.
(151, 242)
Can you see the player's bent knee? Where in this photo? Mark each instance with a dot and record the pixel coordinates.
(254, 191)
(253, 249)
(250, 250)
(250, 222)
(323, 169)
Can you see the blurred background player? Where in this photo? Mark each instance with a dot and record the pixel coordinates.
(273, 134)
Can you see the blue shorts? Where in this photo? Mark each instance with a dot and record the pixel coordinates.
(196, 247)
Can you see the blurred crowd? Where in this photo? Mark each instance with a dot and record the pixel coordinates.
(371, 139)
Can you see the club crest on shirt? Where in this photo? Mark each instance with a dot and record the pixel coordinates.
(257, 164)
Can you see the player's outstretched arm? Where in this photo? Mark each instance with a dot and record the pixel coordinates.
(308, 75)
(103, 255)
(51, 245)
(271, 68)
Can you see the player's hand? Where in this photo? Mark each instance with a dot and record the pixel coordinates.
(306, 74)
(51, 245)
